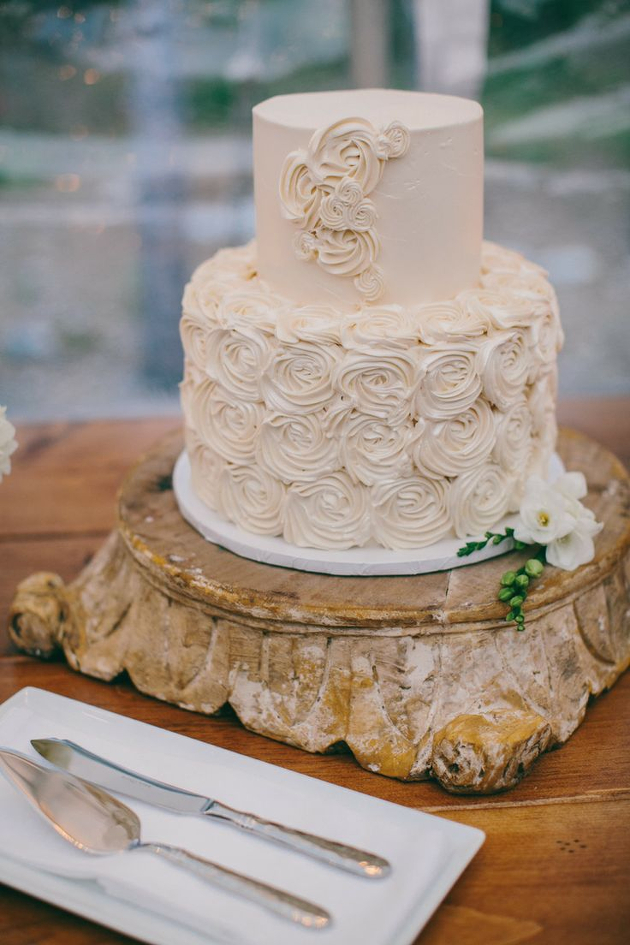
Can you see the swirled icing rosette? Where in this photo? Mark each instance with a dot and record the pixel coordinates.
(379, 384)
(324, 191)
(315, 323)
(229, 426)
(193, 329)
(479, 499)
(448, 381)
(206, 466)
(297, 447)
(450, 322)
(298, 414)
(299, 378)
(370, 449)
(496, 258)
(238, 359)
(546, 337)
(252, 498)
(514, 437)
(380, 327)
(244, 310)
(505, 310)
(505, 363)
(453, 446)
(411, 512)
(332, 512)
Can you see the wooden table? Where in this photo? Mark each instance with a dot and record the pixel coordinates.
(555, 867)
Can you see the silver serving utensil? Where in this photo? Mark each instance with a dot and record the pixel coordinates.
(83, 763)
(98, 823)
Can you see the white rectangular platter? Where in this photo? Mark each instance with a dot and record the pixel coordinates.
(155, 902)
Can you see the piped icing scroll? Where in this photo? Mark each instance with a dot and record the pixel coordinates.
(368, 425)
(324, 190)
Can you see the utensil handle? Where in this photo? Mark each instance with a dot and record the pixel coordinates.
(348, 858)
(279, 901)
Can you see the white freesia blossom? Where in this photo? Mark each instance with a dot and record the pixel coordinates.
(544, 515)
(577, 547)
(8, 443)
(553, 515)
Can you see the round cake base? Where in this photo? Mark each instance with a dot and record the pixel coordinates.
(420, 676)
(440, 556)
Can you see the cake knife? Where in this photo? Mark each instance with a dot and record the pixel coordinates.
(99, 824)
(83, 763)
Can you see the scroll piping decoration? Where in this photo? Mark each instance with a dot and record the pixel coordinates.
(324, 191)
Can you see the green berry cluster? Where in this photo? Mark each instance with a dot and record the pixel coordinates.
(495, 537)
(515, 586)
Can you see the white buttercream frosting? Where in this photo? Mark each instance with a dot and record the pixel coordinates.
(324, 191)
(345, 426)
(332, 512)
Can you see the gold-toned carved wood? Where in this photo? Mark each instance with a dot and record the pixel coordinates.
(419, 676)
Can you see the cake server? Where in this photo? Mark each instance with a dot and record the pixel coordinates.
(83, 763)
(97, 823)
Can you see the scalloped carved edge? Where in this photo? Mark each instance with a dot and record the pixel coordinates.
(407, 706)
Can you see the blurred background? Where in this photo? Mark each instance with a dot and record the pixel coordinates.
(125, 159)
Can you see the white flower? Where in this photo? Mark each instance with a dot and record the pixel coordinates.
(576, 548)
(572, 485)
(8, 443)
(553, 515)
(544, 514)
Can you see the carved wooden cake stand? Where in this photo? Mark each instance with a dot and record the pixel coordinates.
(419, 676)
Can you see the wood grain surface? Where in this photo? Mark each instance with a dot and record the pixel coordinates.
(556, 864)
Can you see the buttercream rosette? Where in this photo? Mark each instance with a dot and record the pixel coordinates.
(342, 426)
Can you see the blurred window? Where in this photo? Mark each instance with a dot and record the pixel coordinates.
(125, 160)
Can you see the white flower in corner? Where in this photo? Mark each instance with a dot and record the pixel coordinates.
(552, 515)
(8, 443)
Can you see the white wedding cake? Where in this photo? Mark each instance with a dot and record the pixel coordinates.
(368, 372)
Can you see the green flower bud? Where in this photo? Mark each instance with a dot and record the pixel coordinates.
(505, 594)
(519, 545)
(511, 616)
(516, 602)
(508, 578)
(521, 580)
(534, 567)
(497, 539)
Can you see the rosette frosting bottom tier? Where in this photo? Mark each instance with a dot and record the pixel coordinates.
(377, 425)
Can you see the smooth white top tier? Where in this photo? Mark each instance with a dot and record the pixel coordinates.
(417, 227)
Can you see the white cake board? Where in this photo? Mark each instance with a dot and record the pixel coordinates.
(371, 560)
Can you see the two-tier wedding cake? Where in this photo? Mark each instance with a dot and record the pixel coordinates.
(368, 372)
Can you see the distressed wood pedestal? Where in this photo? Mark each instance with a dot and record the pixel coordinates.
(419, 676)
